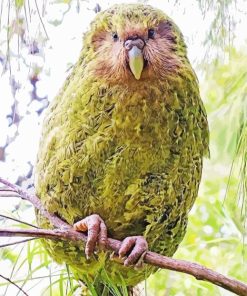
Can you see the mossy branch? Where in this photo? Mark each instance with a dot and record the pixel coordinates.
(65, 231)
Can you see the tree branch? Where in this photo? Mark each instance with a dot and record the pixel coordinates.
(65, 231)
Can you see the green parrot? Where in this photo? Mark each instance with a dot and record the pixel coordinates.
(122, 145)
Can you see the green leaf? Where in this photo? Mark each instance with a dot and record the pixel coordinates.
(19, 3)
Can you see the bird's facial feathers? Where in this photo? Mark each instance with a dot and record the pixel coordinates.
(133, 42)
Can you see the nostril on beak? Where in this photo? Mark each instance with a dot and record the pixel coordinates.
(129, 43)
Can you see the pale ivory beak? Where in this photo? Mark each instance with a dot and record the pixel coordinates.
(136, 61)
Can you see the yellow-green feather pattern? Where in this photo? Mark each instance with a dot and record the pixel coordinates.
(130, 153)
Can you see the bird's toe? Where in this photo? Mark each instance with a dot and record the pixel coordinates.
(96, 232)
(133, 250)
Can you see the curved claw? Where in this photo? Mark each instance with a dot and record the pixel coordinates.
(136, 247)
(97, 232)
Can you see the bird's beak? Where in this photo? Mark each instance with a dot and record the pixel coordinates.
(136, 61)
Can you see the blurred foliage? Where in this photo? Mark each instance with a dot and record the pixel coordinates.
(217, 233)
(226, 93)
(221, 30)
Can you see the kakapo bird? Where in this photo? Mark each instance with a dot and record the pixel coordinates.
(122, 144)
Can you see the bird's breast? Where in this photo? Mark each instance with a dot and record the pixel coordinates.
(142, 118)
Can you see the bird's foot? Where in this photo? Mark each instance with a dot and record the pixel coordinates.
(96, 232)
(132, 250)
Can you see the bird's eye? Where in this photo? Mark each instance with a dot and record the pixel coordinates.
(151, 33)
(115, 36)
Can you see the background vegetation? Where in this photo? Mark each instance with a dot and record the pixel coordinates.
(30, 56)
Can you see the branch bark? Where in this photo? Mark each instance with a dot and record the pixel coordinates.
(65, 231)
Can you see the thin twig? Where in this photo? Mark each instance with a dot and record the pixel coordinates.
(8, 193)
(5, 188)
(16, 242)
(13, 283)
(19, 221)
(40, 18)
(66, 232)
(13, 269)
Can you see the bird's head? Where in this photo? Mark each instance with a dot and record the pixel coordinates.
(131, 42)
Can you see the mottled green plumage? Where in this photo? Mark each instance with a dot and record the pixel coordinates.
(129, 150)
